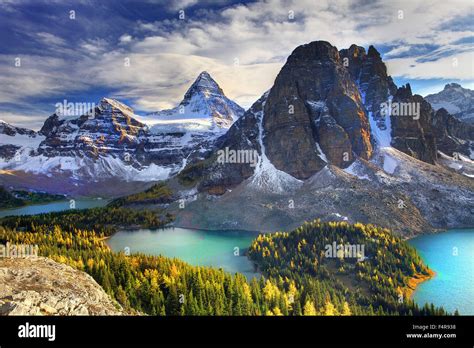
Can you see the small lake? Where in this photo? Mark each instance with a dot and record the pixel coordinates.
(82, 203)
(451, 255)
(197, 247)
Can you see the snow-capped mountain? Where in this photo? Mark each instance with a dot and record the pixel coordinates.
(458, 101)
(16, 143)
(204, 107)
(111, 141)
(327, 149)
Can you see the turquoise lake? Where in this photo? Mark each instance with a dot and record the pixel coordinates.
(82, 203)
(451, 255)
(197, 247)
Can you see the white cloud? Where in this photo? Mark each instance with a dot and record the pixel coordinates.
(457, 67)
(125, 38)
(36, 76)
(50, 39)
(258, 36)
(28, 120)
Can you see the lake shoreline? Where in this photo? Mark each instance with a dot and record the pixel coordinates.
(449, 254)
(415, 281)
(65, 204)
(437, 231)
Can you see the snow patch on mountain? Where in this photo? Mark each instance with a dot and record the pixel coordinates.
(266, 176)
(457, 100)
(321, 154)
(204, 108)
(382, 135)
(21, 140)
(462, 164)
(99, 168)
(357, 169)
(389, 164)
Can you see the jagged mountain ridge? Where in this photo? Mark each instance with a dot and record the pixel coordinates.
(322, 143)
(111, 141)
(326, 104)
(325, 108)
(15, 142)
(456, 100)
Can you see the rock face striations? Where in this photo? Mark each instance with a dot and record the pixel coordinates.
(412, 133)
(370, 74)
(41, 286)
(452, 135)
(314, 114)
(110, 129)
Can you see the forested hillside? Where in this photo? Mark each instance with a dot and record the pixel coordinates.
(378, 279)
(7, 200)
(297, 280)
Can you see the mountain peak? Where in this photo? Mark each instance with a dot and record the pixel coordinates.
(204, 74)
(115, 103)
(205, 103)
(9, 129)
(452, 85)
(372, 52)
(205, 84)
(456, 99)
(316, 50)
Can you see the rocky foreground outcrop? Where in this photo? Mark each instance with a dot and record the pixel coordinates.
(41, 286)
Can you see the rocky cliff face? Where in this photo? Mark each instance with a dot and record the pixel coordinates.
(326, 107)
(412, 132)
(456, 100)
(313, 115)
(370, 73)
(325, 104)
(41, 286)
(376, 87)
(452, 135)
(314, 105)
(391, 110)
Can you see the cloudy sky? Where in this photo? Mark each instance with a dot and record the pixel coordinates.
(147, 53)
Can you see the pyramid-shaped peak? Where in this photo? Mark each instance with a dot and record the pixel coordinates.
(204, 83)
(204, 74)
(205, 80)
